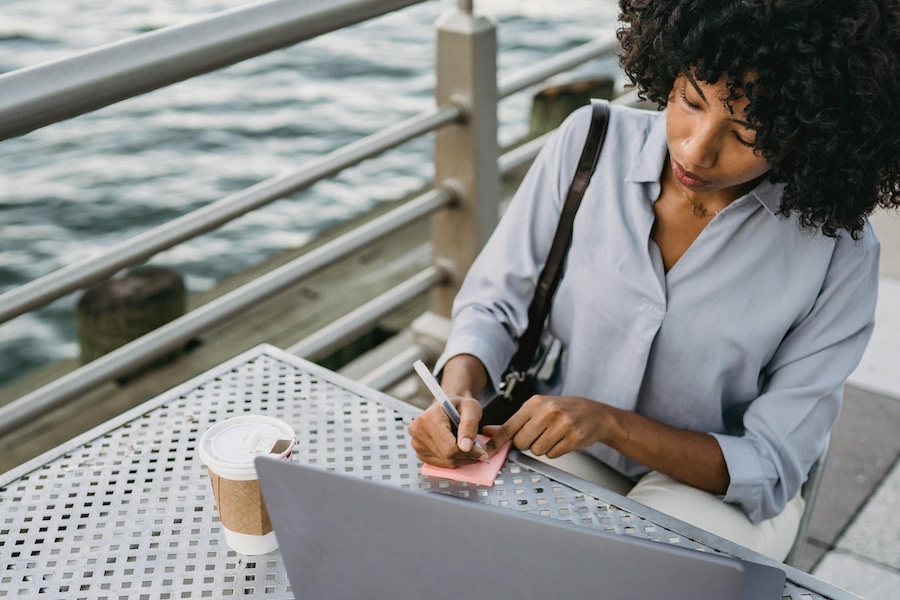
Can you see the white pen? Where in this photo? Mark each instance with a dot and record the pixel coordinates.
(435, 388)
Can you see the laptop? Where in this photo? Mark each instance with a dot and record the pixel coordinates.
(342, 538)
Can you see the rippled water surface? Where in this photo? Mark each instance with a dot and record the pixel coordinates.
(72, 189)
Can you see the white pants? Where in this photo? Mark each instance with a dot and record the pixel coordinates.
(772, 538)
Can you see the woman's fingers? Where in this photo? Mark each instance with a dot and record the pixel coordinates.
(550, 425)
(545, 425)
(469, 417)
(505, 432)
(432, 436)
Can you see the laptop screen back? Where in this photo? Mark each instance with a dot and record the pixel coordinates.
(343, 537)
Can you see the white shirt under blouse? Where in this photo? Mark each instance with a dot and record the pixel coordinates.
(749, 336)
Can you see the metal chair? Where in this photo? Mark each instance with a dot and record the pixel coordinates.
(809, 491)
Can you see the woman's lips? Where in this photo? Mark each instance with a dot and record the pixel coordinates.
(686, 178)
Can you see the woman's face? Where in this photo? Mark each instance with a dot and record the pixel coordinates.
(710, 142)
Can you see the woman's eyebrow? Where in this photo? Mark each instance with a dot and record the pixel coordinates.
(694, 83)
(697, 87)
(744, 124)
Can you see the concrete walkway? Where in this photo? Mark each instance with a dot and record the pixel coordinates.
(855, 530)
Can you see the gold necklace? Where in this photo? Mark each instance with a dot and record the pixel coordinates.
(698, 210)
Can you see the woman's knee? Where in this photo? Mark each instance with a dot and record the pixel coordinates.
(707, 511)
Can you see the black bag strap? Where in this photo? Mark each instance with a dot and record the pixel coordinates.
(552, 271)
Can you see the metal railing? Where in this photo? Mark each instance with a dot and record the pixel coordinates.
(44, 290)
(465, 108)
(566, 61)
(61, 89)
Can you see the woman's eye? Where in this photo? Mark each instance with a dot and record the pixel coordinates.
(690, 104)
(743, 141)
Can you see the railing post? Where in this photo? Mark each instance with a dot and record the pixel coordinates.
(466, 153)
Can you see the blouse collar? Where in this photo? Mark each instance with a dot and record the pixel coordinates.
(650, 160)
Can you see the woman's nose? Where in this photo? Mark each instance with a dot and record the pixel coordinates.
(701, 146)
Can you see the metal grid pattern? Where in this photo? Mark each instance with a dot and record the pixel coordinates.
(126, 511)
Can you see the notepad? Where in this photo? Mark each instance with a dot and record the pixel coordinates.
(479, 473)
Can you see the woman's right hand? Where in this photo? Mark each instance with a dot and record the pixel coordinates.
(433, 439)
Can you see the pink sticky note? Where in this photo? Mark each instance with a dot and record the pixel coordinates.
(480, 473)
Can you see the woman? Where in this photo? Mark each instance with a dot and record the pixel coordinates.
(721, 282)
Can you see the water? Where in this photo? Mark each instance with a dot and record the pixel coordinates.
(72, 189)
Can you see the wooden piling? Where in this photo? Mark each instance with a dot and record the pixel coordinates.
(117, 311)
(551, 105)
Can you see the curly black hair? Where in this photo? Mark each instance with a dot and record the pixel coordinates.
(822, 78)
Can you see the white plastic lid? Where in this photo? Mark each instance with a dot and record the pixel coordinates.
(229, 447)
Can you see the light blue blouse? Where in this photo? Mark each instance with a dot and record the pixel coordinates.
(749, 336)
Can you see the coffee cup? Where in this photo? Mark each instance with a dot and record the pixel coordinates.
(228, 449)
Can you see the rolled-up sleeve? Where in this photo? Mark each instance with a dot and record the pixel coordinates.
(787, 426)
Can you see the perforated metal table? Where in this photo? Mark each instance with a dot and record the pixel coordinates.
(125, 510)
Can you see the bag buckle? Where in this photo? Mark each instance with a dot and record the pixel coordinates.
(510, 379)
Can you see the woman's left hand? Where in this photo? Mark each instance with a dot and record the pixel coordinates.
(553, 426)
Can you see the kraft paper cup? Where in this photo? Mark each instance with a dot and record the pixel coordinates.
(228, 449)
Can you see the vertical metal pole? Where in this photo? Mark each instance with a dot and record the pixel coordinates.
(466, 153)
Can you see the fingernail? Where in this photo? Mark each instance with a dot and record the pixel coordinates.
(466, 444)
